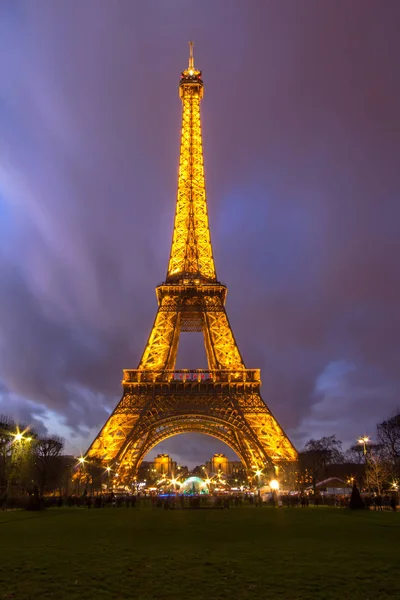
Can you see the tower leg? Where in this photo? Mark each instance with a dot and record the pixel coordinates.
(222, 350)
(162, 346)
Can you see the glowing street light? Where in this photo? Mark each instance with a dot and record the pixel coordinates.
(258, 472)
(274, 484)
(20, 436)
(364, 441)
(81, 460)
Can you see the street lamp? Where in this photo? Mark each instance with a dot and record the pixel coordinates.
(108, 471)
(20, 437)
(364, 441)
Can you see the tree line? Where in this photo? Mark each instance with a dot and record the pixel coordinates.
(29, 462)
(379, 459)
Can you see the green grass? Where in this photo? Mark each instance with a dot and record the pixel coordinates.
(242, 553)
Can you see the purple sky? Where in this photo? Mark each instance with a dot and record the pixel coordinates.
(302, 151)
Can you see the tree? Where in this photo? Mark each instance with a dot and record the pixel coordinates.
(389, 439)
(355, 454)
(7, 428)
(64, 474)
(47, 464)
(15, 455)
(96, 474)
(378, 469)
(316, 455)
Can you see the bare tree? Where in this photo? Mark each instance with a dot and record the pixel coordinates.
(47, 452)
(316, 455)
(355, 454)
(378, 470)
(389, 438)
(7, 428)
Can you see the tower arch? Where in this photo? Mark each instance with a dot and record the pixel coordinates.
(136, 447)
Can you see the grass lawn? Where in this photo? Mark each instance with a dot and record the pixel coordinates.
(241, 553)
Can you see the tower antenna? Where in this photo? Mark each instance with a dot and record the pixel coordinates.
(191, 58)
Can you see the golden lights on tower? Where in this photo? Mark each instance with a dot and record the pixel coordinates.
(160, 401)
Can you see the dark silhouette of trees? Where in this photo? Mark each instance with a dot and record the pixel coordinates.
(47, 464)
(389, 439)
(316, 455)
(95, 473)
(355, 454)
(7, 427)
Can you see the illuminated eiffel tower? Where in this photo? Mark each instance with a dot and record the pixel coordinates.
(160, 401)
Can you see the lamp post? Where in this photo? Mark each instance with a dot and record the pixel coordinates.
(258, 474)
(395, 489)
(108, 470)
(81, 471)
(364, 441)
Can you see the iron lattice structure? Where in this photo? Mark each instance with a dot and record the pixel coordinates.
(159, 401)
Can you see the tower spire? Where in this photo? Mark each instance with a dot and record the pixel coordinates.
(191, 57)
(191, 255)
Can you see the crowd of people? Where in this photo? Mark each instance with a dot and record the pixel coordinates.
(221, 500)
(216, 500)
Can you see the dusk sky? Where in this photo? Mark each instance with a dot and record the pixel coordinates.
(301, 124)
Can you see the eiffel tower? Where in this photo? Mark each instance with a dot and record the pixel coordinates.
(160, 401)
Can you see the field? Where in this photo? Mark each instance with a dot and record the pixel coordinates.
(241, 553)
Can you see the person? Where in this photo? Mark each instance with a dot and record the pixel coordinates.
(3, 500)
(393, 503)
(378, 502)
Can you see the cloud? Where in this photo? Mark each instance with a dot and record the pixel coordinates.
(301, 136)
(25, 412)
